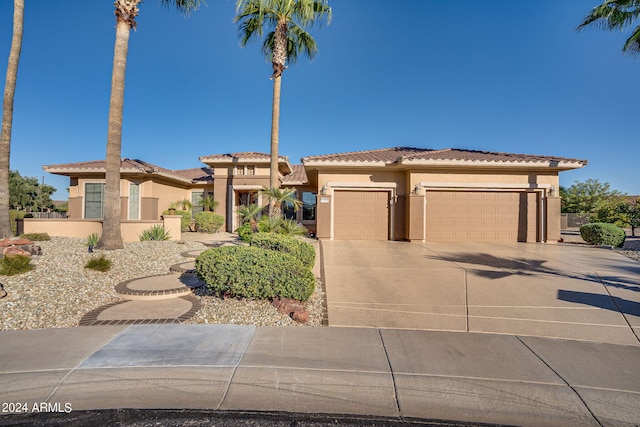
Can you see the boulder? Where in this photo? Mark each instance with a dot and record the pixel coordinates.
(287, 306)
(14, 242)
(32, 249)
(15, 250)
(300, 316)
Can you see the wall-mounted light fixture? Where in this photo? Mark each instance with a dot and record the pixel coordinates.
(323, 190)
(552, 191)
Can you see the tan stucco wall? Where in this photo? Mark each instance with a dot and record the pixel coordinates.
(485, 177)
(553, 221)
(131, 230)
(365, 176)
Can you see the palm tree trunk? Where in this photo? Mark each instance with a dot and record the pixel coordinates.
(7, 116)
(274, 182)
(111, 234)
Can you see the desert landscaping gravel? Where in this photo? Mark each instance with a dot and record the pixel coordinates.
(59, 290)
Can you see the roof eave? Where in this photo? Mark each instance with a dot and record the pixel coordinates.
(556, 164)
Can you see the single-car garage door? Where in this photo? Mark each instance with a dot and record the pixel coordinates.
(361, 215)
(481, 216)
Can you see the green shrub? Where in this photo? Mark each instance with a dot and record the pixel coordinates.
(184, 221)
(157, 232)
(36, 237)
(250, 272)
(300, 250)
(208, 222)
(600, 233)
(11, 265)
(245, 232)
(99, 263)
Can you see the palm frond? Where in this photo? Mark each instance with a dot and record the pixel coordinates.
(183, 6)
(616, 15)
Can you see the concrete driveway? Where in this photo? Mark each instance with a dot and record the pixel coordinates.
(545, 290)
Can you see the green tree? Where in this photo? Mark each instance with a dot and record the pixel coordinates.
(126, 12)
(27, 194)
(586, 197)
(7, 116)
(617, 15)
(286, 23)
(277, 197)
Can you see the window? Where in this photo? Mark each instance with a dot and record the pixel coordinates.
(288, 210)
(245, 170)
(196, 201)
(134, 200)
(308, 206)
(93, 200)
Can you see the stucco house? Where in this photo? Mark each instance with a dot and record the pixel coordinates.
(399, 193)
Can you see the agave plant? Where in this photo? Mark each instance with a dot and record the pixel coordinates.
(157, 232)
(292, 228)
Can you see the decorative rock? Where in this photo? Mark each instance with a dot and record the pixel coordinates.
(14, 242)
(32, 249)
(287, 306)
(15, 250)
(300, 316)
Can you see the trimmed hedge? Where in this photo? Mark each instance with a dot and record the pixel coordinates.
(600, 233)
(250, 272)
(302, 251)
(208, 222)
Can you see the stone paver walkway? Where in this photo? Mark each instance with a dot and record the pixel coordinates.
(165, 298)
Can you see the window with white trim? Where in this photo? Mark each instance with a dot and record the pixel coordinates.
(134, 200)
(94, 200)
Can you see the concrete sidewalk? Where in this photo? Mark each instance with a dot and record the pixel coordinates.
(385, 372)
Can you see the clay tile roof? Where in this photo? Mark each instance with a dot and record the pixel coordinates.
(409, 155)
(485, 156)
(239, 156)
(386, 155)
(197, 174)
(127, 166)
(298, 176)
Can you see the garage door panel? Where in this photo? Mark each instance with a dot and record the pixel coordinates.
(361, 215)
(493, 216)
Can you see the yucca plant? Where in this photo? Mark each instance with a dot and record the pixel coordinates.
(92, 241)
(157, 232)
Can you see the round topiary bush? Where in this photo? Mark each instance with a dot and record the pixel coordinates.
(208, 222)
(302, 251)
(600, 233)
(250, 272)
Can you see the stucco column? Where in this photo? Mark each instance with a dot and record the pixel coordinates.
(323, 216)
(172, 223)
(553, 219)
(416, 217)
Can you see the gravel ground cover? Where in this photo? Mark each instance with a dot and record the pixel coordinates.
(630, 249)
(59, 290)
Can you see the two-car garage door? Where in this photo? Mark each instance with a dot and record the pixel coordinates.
(481, 216)
(463, 216)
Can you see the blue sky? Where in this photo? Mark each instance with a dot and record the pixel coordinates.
(496, 75)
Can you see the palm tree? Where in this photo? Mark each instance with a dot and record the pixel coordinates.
(617, 15)
(286, 22)
(7, 116)
(126, 12)
(279, 196)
